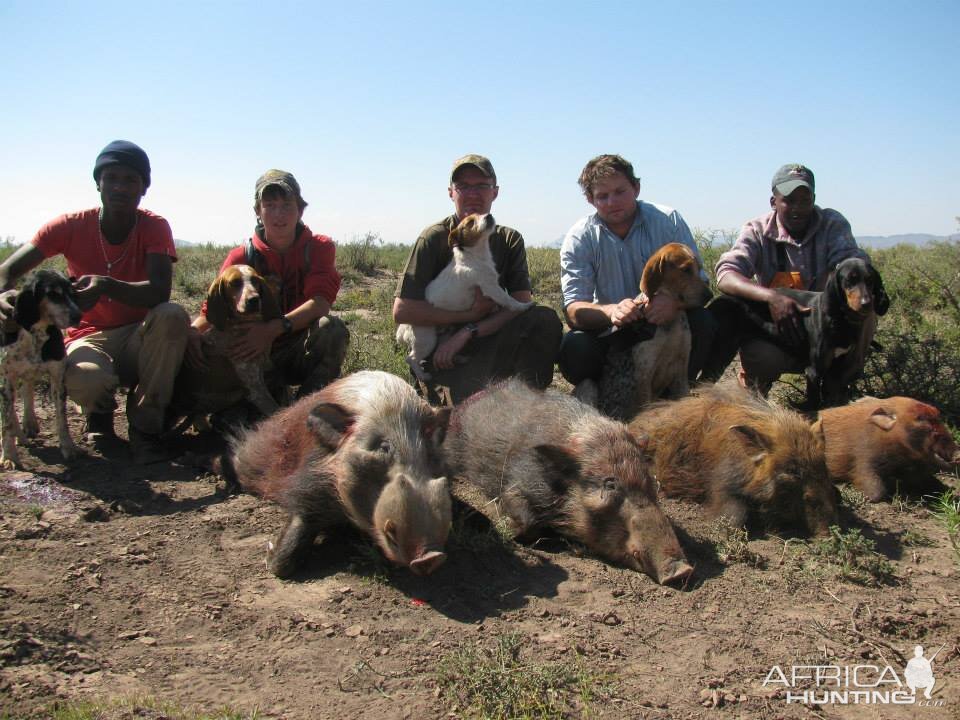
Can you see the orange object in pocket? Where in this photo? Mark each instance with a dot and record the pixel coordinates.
(787, 280)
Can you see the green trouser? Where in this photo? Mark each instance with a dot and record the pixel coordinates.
(526, 347)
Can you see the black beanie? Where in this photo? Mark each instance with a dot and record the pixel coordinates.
(123, 152)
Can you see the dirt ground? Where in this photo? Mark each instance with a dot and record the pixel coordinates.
(118, 581)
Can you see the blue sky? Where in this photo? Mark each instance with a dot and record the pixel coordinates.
(368, 105)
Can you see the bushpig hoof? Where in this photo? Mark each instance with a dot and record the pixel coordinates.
(428, 562)
(674, 573)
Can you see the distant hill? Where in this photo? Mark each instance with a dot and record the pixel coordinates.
(886, 241)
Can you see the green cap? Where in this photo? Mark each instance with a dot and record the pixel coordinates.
(790, 177)
(478, 161)
(282, 179)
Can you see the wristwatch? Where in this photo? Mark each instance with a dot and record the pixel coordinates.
(287, 324)
(473, 329)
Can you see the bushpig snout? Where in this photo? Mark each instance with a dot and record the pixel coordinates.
(428, 562)
(674, 572)
(654, 546)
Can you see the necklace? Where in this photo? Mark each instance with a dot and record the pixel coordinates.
(103, 243)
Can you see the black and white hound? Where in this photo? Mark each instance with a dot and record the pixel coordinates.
(44, 307)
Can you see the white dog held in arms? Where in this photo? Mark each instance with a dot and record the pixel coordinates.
(453, 289)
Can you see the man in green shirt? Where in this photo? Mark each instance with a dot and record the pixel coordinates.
(484, 342)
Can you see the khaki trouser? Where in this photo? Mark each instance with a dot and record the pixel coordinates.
(143, 356)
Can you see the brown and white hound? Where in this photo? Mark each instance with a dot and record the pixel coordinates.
(239, 296)
(45, 305)
(641, 373)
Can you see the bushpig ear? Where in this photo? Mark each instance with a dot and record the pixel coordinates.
(755, 439)
(560, 464)
(269, 307)
(218, 304)
(329, 423)
(883, 418)
(435, 425)
(390, 530)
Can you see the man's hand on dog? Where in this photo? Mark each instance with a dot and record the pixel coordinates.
(7, 300)
(255, 339)
(786, 313)
(660, 309)
(446, 352)
(482, 306)
(89, 289)
(625, 312)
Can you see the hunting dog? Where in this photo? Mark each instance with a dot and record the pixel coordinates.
(45, 305)
(238, 297)
(636, 375)
(453, 289)
(839, 329)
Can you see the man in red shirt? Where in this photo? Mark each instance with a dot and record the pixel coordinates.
(130, 335)
(307, 345)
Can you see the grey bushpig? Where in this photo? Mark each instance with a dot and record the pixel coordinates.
(549, 460)
(364, 451)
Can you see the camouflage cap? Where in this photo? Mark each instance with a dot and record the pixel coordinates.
(790, 177)
(478, 161)
(282, 179)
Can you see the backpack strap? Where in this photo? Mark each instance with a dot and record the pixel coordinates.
(251, 256)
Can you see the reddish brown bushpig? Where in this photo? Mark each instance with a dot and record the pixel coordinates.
(549, 460)
(736, 452)
(364, 451)
(873, 441)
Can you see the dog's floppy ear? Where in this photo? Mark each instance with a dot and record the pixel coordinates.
(53, 348)
(453, 240)
(269, 306)
(218, 303)
(26, 309)
(880, 298)
(832, 290)
(652, 277)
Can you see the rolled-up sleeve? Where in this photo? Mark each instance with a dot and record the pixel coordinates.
(578, 276)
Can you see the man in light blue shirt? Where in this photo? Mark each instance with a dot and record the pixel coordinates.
(601, 262)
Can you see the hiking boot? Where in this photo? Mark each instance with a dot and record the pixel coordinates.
(99, 433)
(146, 448)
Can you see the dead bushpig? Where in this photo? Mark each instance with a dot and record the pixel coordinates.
(364, 451)
(736, 452)
(549, 460)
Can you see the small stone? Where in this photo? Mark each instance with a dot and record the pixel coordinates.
(354, 631)
(147, 640)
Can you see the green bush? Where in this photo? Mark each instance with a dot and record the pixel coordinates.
(920, 335)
